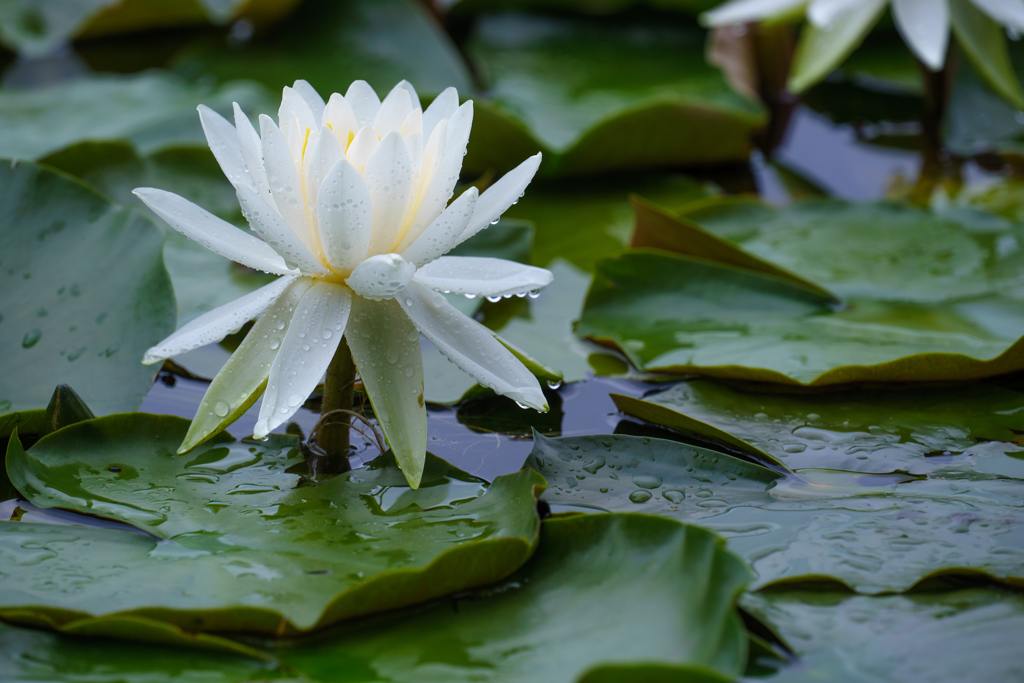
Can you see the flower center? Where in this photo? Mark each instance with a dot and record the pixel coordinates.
(381, 277)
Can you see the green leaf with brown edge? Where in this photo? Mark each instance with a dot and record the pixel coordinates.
(821, 50)
(934, 430)
(658, 228)
(330, 44)
(983, 40)
(38, 656)
(597, 95)
(234, 542)
(882, 250)
(605, 598)
(676, 314)
(583, 221)
(873, 533)
(84, 293)
(941, 637)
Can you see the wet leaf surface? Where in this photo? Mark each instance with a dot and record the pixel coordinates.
(84, 294)
(33, 655)
(959, 635)
(202, 280)
(606, 597)
(874, 533)
(678, 314)
(596, 95)
(230, 543)
(944, 429)
(151, 110)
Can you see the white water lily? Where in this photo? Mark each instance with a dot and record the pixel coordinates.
(924, 24)
(350, 198)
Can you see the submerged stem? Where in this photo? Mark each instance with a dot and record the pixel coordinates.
(332, 436)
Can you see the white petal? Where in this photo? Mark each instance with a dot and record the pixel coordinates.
(364, 102)
(924, 25)
(326, 152)
(362, 147)
(212, 326)
(241, 381)
(306, 351)
(275, 232)
(284, 181)
(742, 11)
(312, 98)
(501, 195)
(1009, 13)
(341, 118)
(442, 185)
(413, 125)
(388, 177)
(223, 140)
(471, 346)
(252, 154)
(215, 234)
(393, 110)
(386, 349)
(381, 277)
(482, 276)
(442, 108)
(413, 95)
(345, 217)
(296, 121)
(444, 233)
(822, 13)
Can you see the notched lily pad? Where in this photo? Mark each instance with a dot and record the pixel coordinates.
(602, 94)
(956, 428)
(605, 598)
(874, 533)
(84, 293)
(678, 314)
(234, 542)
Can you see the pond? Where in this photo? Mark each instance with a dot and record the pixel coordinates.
(618, 341)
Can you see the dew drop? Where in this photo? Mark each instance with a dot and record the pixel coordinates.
(275, 343)
(640, 496)
(295, 400)
(221, 408)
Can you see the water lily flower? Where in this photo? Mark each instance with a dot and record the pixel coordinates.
(351, 200)
(837, 27)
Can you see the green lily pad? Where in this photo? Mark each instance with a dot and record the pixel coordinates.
(202, 280)
(85, 293)
(151, 110)
(584, 221)
(670, 313)
(873, 533)
(233, 541)
(947, 637)
(602, 94)
(884, 251)
(330, 44)
(960, 428)
(34, 655)
(605, 598)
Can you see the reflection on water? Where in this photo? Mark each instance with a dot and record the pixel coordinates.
(587, 409)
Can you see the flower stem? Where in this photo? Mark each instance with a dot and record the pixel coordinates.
(339, 388)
